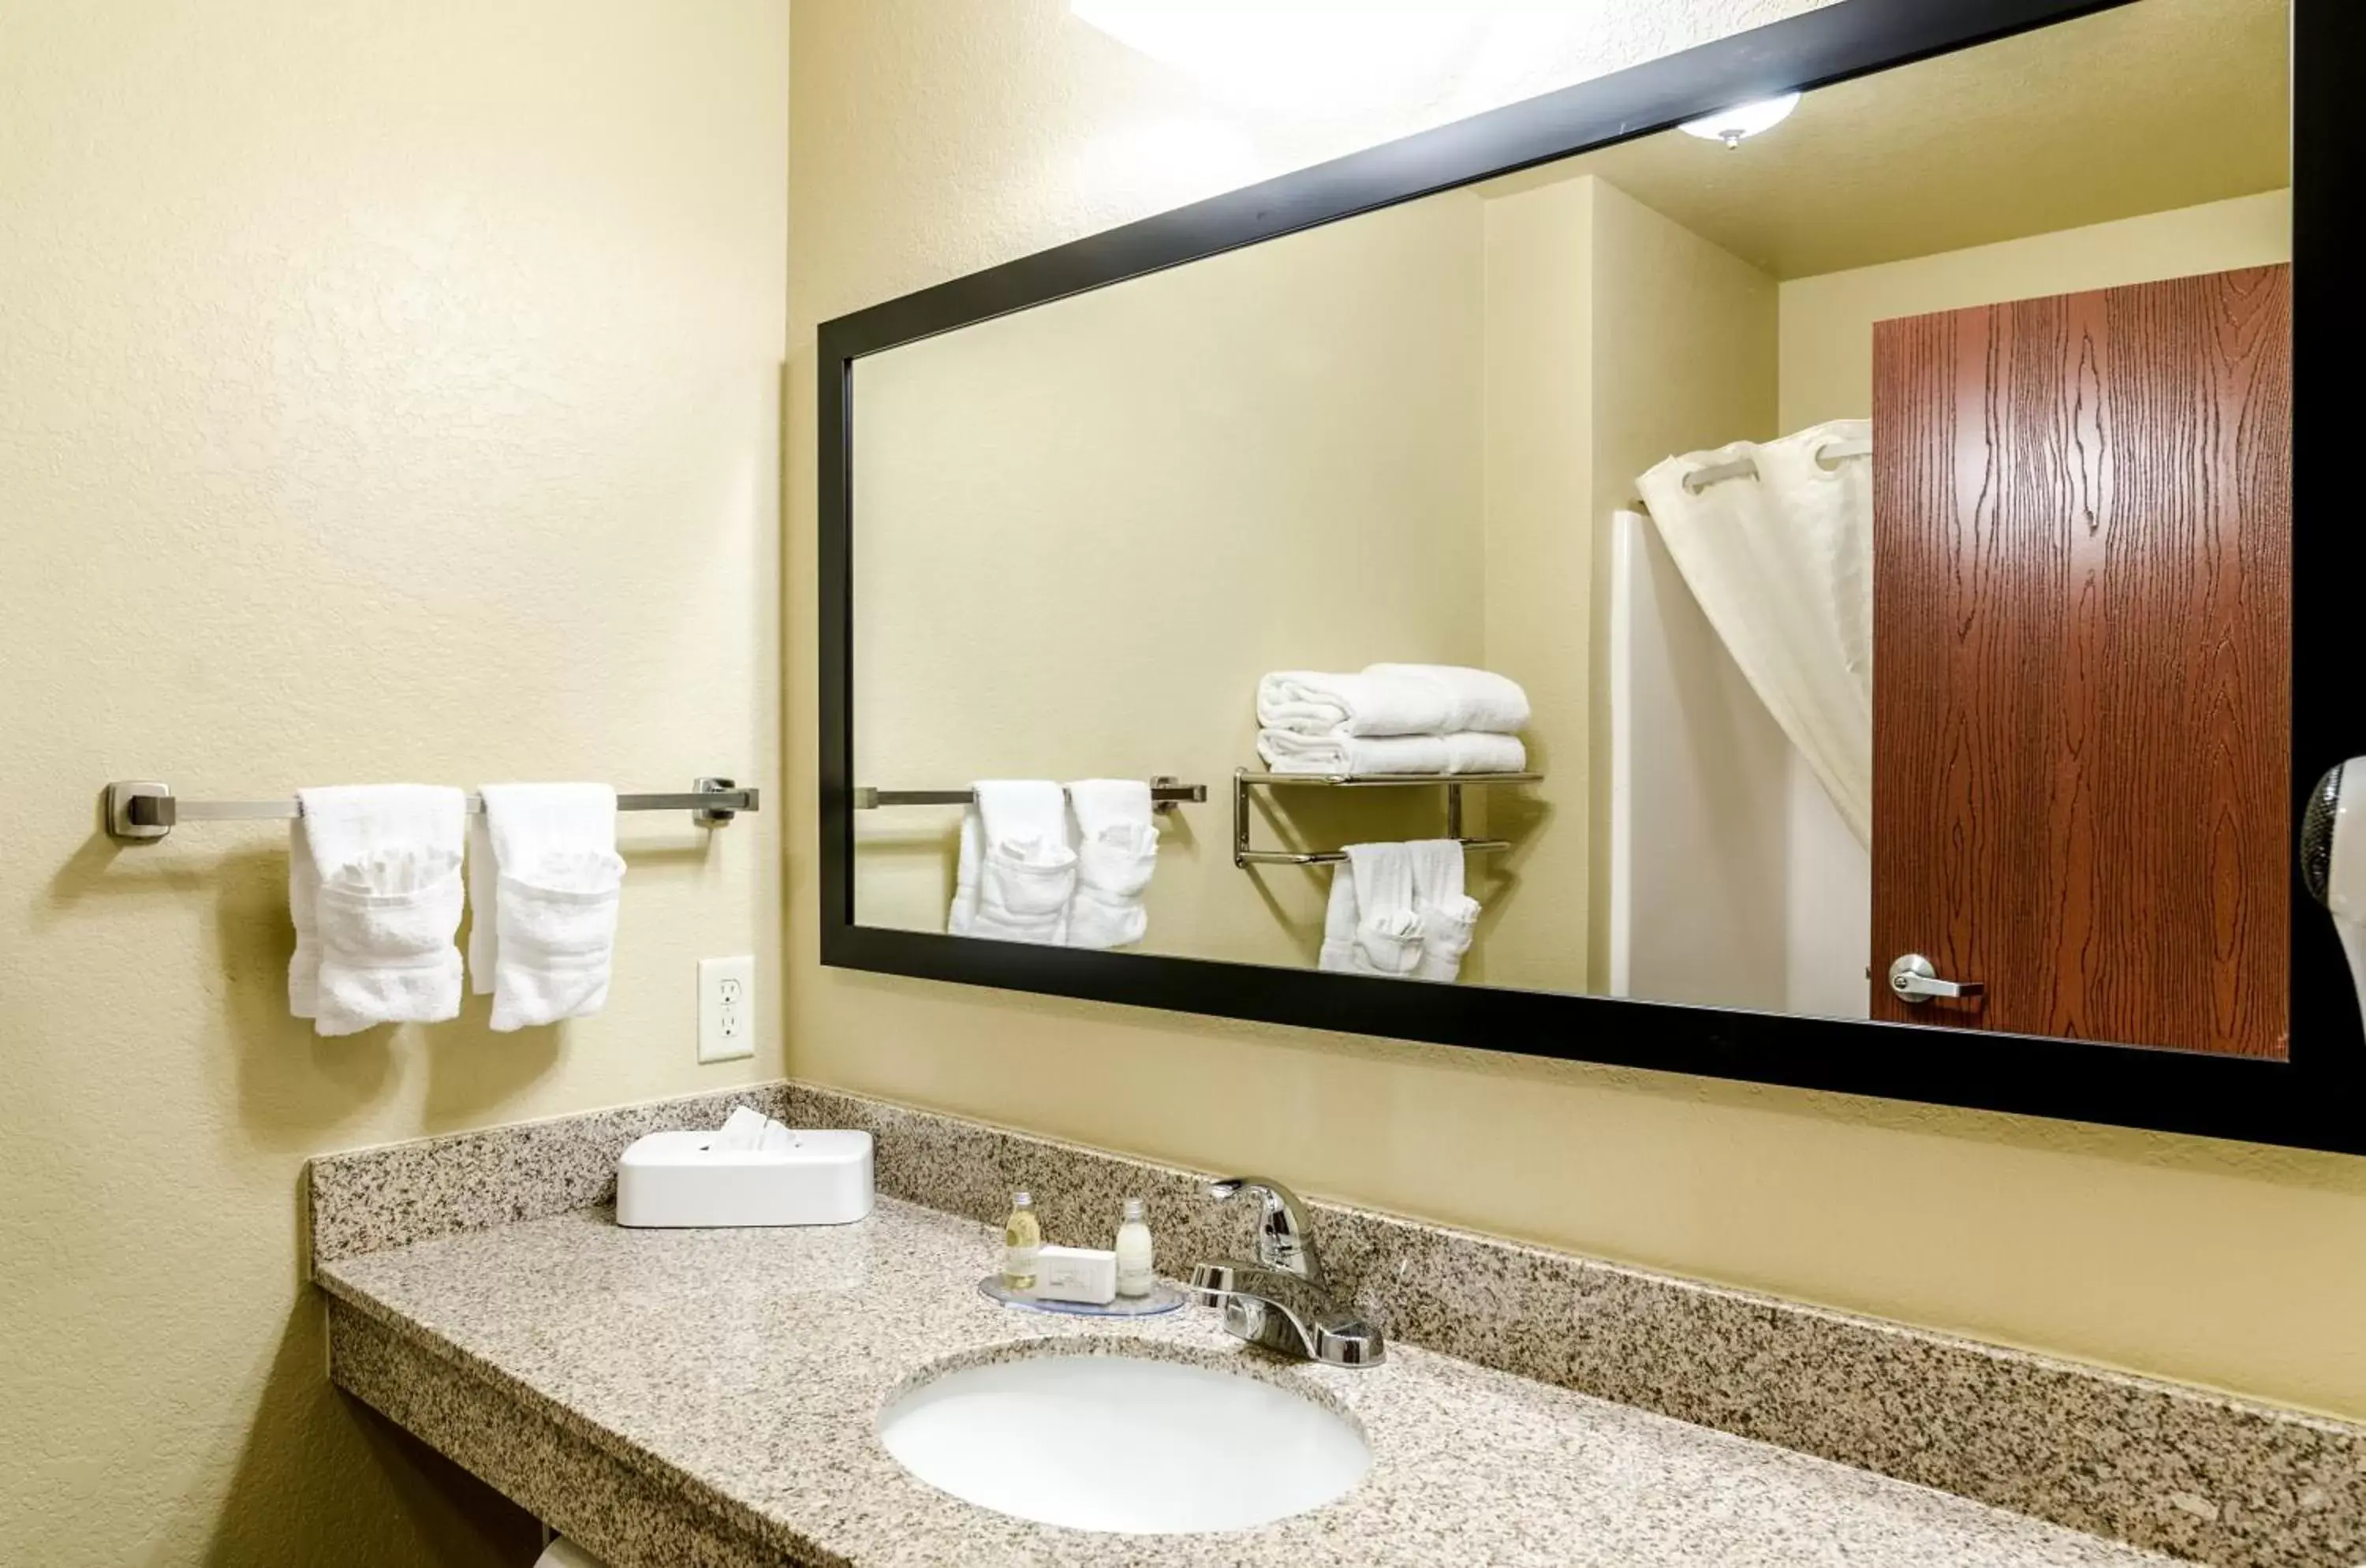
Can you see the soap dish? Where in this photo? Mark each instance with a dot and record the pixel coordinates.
(1161, 1299)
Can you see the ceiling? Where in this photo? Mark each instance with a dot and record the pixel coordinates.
(2156, 105)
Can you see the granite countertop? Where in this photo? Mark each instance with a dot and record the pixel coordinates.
(742, 1373)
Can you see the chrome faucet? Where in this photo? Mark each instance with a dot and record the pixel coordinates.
(1283, 1301)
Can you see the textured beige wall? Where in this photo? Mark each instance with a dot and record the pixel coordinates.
(390, 391)
(928, 142)
(1683, 357)
(1083, 532)
(1828, 319)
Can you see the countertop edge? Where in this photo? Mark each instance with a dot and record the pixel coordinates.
(435, 1366)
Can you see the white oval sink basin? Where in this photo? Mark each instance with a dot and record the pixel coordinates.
(1123, 1444)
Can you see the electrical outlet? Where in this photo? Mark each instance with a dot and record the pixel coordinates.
(727, 1009)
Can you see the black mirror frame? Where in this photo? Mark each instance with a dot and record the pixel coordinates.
(2314, 1099)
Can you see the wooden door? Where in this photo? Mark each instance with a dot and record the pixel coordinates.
(2082, 661)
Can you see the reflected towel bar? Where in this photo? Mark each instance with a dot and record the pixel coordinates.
(1167, 793)
(140, 812)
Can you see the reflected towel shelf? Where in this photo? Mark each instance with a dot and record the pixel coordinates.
(1245, 779)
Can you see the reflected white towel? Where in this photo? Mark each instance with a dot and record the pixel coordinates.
(1314, 702)
(1448, 915)
(385, 846)
(1016, 837)
(1338, 954)
(1117, 849)
(1391, 699)
(1388, 931)
(1353, 756)
(546, 884)
(1475, 699)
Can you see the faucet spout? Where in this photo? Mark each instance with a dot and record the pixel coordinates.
(1283, 1301)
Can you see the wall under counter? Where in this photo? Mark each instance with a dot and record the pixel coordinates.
(2238, 1267)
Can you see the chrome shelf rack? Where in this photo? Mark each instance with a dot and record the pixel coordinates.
(1247, 779)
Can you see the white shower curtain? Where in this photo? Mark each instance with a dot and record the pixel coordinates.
(1783, 567)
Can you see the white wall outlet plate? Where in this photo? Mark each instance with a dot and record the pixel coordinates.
(727, 1009)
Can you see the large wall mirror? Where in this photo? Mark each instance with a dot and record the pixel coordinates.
(1831, 558)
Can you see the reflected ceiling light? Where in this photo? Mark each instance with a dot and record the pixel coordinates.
(1742, 120)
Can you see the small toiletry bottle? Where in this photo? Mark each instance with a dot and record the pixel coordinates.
(1133, 1253)
(1022, 1239)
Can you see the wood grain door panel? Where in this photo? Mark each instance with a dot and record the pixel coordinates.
(2082, 661)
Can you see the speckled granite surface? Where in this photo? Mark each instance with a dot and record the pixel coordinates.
(2172, 1467)
(725, 1384)
(371, 1198)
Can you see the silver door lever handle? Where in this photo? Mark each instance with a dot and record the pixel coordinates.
(1915, 981)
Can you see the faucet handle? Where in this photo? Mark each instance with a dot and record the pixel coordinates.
(1285, 1238)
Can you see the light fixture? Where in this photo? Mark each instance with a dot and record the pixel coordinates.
(1731, 126)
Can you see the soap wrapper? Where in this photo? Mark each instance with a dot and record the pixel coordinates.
(1075, 1274)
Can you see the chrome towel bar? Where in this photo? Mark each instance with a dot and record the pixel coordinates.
(142, 811)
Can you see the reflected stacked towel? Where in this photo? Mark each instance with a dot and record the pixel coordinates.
(1391, 718)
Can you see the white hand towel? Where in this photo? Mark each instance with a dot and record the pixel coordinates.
(1117, 849)
(557, 922)
(353, 825)
(1448, 915)
(1027, 871)
(386, 930)
(545, 883)
(1356, 756)
(1474, 699)
(1388, 931)
(960, 920)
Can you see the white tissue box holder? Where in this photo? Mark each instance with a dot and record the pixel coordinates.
(674, 1180)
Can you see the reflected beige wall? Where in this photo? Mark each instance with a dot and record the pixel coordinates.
(1083, 531)
(390, 392)
(2235, 1265)
(1828, 319)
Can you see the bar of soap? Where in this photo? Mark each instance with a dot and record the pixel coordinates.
(1075, 1274)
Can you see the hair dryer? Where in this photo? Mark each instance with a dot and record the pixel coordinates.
(2333, 857)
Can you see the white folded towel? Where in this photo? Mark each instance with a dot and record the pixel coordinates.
(1391, 699)
(545, 883)
(1117, 849)
(1448, 915)
(1017, 874)
(1314, 702)
(1359, 756)
(373, 887)
(1475, 699)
